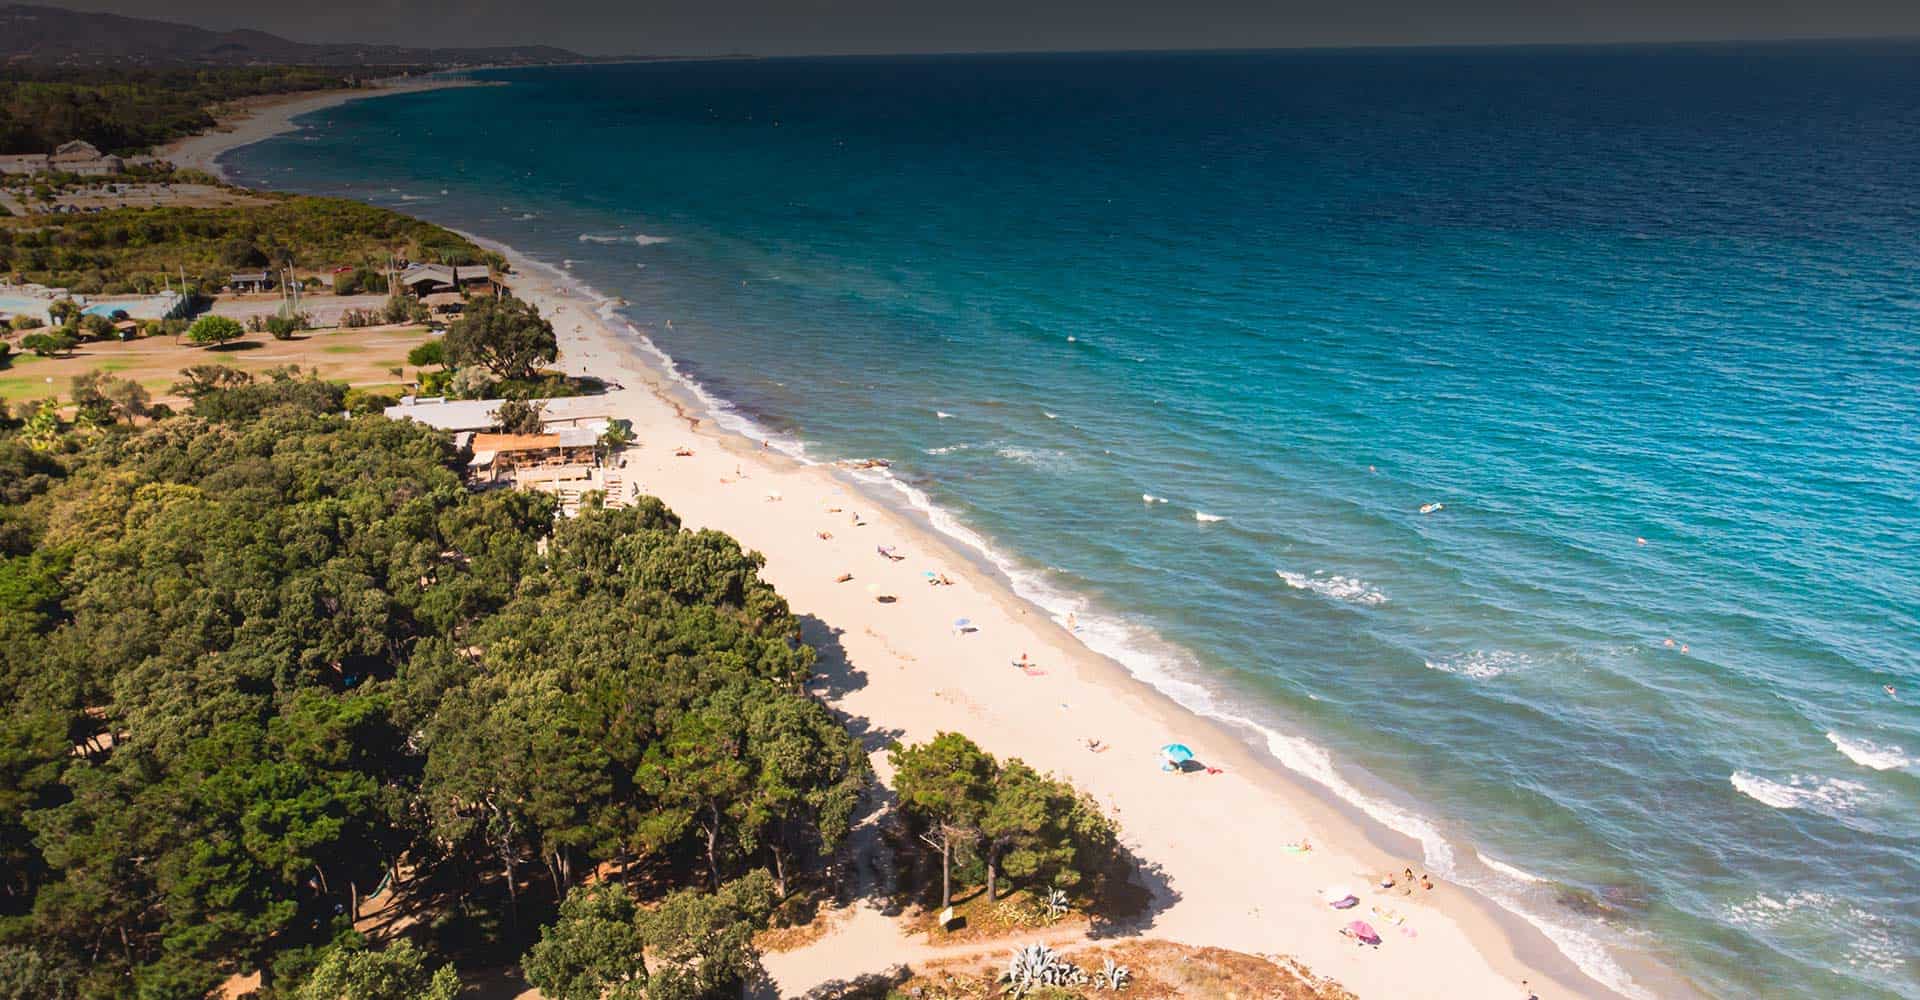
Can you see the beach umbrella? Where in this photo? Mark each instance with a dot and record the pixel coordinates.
(1364, 931)
(1176, 752)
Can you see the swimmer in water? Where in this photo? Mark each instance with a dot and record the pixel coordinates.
(1888, 688)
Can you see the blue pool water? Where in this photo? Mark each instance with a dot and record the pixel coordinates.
(1644, 320)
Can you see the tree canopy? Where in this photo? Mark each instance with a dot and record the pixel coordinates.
(255, 656)
(506, 336)
(1018, 822)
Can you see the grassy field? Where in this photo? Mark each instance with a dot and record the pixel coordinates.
(363, 358)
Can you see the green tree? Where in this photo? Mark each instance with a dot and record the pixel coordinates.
(433, 352)
(212, 331)
(506, 336)
(397, 972)
(519, 416)
(27, 973)
(103, 399)
(700, 945)
(698, 775)
(1038, 828)
(95, 327)
(593, 951)
(693, 946)
(808, 773)
(63, 311)
(945, 787)
(203, 380)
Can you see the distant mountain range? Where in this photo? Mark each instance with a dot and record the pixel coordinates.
(54, 37)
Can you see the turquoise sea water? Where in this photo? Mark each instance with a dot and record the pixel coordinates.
(1644, 320)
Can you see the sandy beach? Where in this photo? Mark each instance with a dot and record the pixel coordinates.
(249, 121)
(1214, 842)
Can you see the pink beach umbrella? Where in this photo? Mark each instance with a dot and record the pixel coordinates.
(1363, 931)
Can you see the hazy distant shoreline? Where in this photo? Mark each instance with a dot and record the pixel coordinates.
(248, 121)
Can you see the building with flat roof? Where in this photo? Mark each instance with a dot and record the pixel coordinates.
(481, 414)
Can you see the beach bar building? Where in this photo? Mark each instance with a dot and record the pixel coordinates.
(250, 281)
(566, 454)
(423, 280)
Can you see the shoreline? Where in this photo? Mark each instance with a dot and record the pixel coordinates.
(1470, 944)
(1227, 884)
(254, 119)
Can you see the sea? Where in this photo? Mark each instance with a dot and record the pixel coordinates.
(1522, 444)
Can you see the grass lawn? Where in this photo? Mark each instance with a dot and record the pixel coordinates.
(364, 358)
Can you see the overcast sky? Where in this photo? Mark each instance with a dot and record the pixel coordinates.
(785, 27)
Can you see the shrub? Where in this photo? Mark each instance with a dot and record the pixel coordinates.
(284, 327)
(49, 344)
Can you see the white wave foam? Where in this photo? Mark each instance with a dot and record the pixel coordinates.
(1034, 457)
(1867, 753)
(942, 414)
(1205, 518)
(948, 450)
(1340, 588)
(525, 217)
(1481, 664)
(1509, 870)
(641, 239)
(1049, 416)
(1832, 796)
(1870, 940)
(1150, 498)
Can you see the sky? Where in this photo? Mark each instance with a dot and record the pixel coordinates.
(801, 27)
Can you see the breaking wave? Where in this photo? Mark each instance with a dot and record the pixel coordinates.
(1340, 588)
(1867, 753)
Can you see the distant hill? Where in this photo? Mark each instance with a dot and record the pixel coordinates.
(51, 36)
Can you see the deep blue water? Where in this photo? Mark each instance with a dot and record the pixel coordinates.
(1582, 297)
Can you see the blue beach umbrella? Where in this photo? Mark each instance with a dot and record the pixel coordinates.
(1176, 753)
